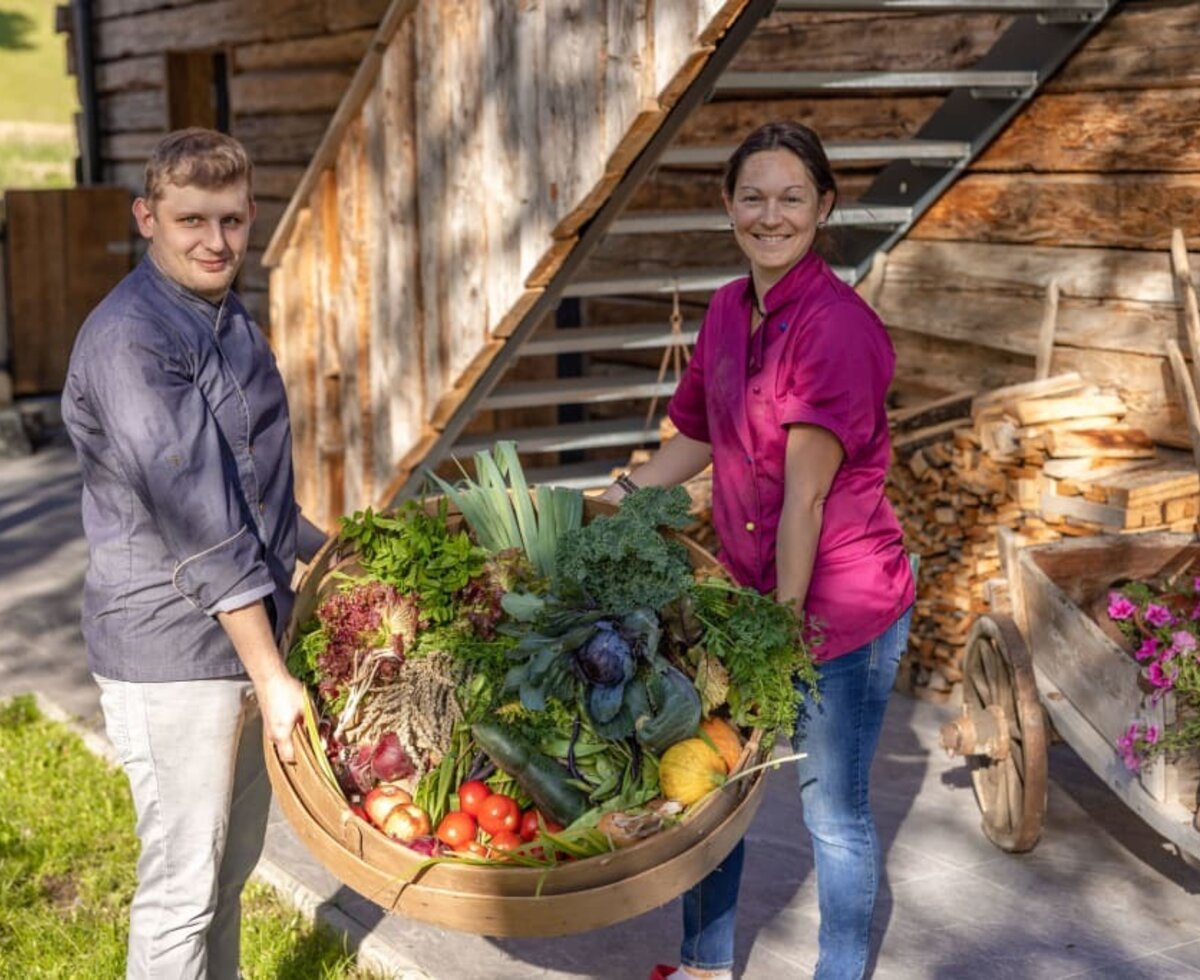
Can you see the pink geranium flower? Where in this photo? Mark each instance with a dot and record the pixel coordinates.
(1119, 607)
(1157, 615)
(1127, 748)
(1182, 641)
(1148, 650)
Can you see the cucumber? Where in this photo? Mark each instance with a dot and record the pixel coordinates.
(546, 782)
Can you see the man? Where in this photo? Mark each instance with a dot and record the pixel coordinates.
(180, 423)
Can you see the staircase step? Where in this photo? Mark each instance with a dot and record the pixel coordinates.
(582, 340)
(665, 222)
(686, 281)
(945, 6)
(578, 391)
(588, 475)
(838, 151)
(755, 82)
(566, 437)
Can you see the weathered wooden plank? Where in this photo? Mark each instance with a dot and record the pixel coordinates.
(506, 162)
(331, 449)
(833, 118)
(871, 42)
(269, 213)
(131, 176)
(1100, 132)
(226, 22)
(129, 146)
(1113, 210)
(289, 90)
(401, 346)
(254, 275)
(190, 90)
(308, 52)
(139, 110)
(276, 180)
(105, 9)
(571, 110)
(130, 74)
(1143, 383)
(346, 302)
(1008, 320)
(37, 306)
(944, 366)
(205, 25)
(433, 84)
(287, 139)
(1087, 273)
(538, 205)
(1143, 45)
(1097, 678)
(308, 326)
(675, 28)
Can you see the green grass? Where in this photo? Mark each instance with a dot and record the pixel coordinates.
(67, 856)
(38, 99)
(34, 84)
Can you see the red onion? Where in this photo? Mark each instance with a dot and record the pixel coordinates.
(390, 761)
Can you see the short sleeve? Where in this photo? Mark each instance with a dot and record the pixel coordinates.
(687, 408)
(836, 377)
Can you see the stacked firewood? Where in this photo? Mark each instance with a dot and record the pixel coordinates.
(1047, 459)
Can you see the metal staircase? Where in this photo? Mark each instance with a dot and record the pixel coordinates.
(607, 372)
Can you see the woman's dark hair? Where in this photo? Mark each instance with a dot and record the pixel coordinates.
(796, 138)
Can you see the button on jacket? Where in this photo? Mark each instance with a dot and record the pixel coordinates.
(820, 357)
(179, 419)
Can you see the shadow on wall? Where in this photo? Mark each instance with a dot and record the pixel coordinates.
(15, 29)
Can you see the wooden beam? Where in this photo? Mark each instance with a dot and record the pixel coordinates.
(1045, 346)
(1183, 380)
(356, 93)
(1185, 295)
(1114, 210)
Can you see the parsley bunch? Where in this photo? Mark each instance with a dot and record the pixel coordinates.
(762, 646)
(416, 552)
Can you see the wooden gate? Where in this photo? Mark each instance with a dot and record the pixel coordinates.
(65, 250)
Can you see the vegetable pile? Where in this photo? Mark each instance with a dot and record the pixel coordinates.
(516, 685)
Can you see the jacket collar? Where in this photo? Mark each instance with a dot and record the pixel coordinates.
(210, 311)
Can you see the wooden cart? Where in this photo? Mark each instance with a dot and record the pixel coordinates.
(1047, 664)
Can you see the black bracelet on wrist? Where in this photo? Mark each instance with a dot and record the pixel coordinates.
(625, 482)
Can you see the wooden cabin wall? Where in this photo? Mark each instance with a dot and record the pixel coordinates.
(1084, 187)
(491, 133)
(289, 63)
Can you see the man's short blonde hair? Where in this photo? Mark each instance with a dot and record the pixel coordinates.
(196, 157)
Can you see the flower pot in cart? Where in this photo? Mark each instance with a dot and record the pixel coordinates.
(493, 899)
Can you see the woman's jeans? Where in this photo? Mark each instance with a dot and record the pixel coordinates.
(840, 735)
(194, 756)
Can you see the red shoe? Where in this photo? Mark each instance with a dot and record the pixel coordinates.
(661, 972)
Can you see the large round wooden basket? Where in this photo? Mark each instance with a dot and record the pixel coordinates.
(506, 901)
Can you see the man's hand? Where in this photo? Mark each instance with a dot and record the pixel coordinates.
(281, 700)
(280, 695)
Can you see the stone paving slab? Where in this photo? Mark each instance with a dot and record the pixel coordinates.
(1102, 896)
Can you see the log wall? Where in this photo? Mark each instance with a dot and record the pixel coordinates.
(1084, 187)
(289, 63)
(477, 139)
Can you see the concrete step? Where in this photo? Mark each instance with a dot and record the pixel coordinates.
(582, 340)
(799, 82)
(578, 391)
(838, 151)
(567, 436)
(667, 222)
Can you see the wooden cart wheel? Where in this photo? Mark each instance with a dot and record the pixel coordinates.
(1005, 729)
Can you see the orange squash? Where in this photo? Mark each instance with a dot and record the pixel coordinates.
(725, 738)
(690, 770)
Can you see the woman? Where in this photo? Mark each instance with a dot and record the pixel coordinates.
(785, 396)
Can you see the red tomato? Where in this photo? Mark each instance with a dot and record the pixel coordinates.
(457, 829)
(506, 840)
(498, 813)
(529, 825)
(471, 795)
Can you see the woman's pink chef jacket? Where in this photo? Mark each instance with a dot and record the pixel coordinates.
(822, 357)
